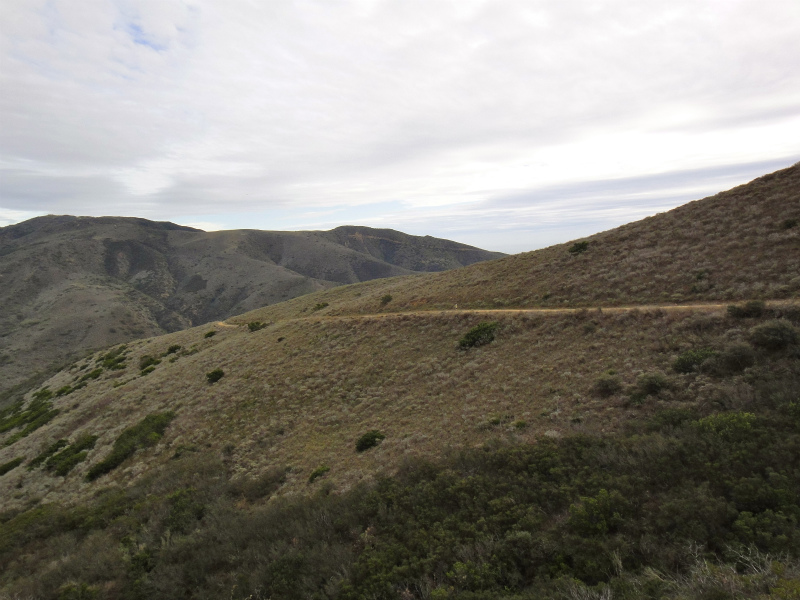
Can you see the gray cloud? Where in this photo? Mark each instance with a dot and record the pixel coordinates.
(156, 109)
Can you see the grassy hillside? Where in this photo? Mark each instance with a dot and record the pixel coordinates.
(73, 284)
(739, 244)
(358, 442)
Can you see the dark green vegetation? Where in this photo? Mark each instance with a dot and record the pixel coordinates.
(39, 412)
(579, 247)
(320, 306)
(215, 375)
(61, 457)
(12, 464)
(682, 505)
(369, 440)
(209, 334)
(481, 334)
(256, 325)
(146, 433)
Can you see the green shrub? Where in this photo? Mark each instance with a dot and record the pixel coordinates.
(148, 361)
(38, 413)
(209, 334)
(78, 591)
(215, 375)
(43, 394)
(651, 384)
(731, 427)
(319, 306)
(481, 334)
(774, 335)
(142, 435)
(691, 360)
(369, 440)
(94, 374)
(64, 461)
(64, 391)
(113, 360)
(385, 299)
(12, 464)
(579, 247)
(734, 358)
(749, 310)
(607, 385)
(789, 223)
(47, 453)
(318, 472)
(256, 325)
(173, 349)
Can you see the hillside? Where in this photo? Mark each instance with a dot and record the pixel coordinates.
(375, 441)
(739, 244)
(71, 284)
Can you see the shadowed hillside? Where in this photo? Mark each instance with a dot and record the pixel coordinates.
(71, 284)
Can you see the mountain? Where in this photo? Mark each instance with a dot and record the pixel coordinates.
(583, 416)
(71, 284)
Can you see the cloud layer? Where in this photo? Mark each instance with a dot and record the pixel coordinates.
(484, 117)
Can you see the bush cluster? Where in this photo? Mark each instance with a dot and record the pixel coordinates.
(369, 440)
(215, 375)
(142, 435)
(749, 310)
(480, 335)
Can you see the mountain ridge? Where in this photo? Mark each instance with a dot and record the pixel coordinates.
(71, 284)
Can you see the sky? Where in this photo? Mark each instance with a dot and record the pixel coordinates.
(506, 124)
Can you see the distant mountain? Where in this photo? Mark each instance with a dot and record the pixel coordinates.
(70, 284)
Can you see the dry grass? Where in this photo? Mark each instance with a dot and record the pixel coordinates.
(303, 401)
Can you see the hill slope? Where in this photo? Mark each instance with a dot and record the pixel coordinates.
(187, 457)
(76, 283)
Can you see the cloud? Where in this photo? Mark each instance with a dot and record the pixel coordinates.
(160, 109)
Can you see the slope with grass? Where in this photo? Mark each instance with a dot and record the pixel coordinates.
(72, 284)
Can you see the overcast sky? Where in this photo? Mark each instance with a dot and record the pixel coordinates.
(507, 124)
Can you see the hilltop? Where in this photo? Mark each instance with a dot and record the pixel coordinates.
(74, 284)
(589, 411)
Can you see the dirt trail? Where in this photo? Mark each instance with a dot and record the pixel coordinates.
(707, 307)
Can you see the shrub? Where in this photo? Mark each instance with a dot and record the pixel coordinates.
(148, 361)
(147, 371)
(386, 299)
(173, 349)
(209, 334)
(142, 435)
(789, 223)
(579, 247)
(319, 306)
(48, 452)
(94, 374)
(691, 360)
(481, 334)
(734, 358)
(43, 394)
(64, 461)
(652, 383)
(113, 360)
(318, 472)
(774, 335)
(256, 325)
(64, 391)
(12, 464)
(369, 440)
(215, 375)
(749, 310)
(607, 385)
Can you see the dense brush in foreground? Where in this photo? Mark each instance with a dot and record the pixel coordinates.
(695, 496)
